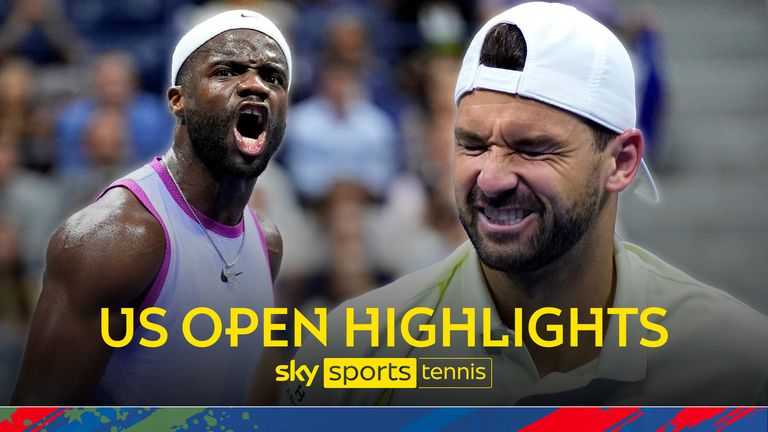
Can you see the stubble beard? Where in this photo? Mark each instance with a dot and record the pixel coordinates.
(210, 134)
(553, 237)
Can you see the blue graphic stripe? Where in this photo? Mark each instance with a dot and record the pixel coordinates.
(104, 419)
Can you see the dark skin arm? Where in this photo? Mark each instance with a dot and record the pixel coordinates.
(274, 245)
(264, 388)
(106, 255)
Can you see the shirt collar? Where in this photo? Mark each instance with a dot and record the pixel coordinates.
(615, 363)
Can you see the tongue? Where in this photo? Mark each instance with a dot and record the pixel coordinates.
(250, 146)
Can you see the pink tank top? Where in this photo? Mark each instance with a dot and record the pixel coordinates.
(191, 276)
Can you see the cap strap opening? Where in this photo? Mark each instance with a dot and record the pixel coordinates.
(503, 80)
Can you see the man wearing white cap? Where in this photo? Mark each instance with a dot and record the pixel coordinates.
(176, 234)
(545, 140)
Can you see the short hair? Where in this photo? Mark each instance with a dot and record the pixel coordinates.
(505, 48)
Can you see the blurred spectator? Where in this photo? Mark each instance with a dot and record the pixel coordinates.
(29, 202)
(340, 135)
(420, 211)
(442, 24)
(329, 254)
(15, 95)
(304, 246)
(361, 245)
(431, 134)
(40, 31)
(29, 123)
(604, 11)
(114, 85)
(104, 143)
(345, 263)
(38, 150)
(351, 271)
(418, 226)
(15, 307)
(644, 41)
(15, 296)
(314, 27)
(438, 24)
(348, 41)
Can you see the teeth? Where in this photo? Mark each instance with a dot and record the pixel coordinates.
(504, 216)
(250, 110)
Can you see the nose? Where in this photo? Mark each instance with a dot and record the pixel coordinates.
(252, 84)
(497, 174)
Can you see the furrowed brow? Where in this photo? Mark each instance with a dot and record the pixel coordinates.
(465, 135)
(538, 142)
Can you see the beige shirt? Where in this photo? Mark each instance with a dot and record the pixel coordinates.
(716, 354)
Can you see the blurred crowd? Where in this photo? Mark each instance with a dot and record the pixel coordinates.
(361, 188)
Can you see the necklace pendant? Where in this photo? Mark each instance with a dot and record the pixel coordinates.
(229, 277)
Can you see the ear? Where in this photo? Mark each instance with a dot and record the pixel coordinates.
(624, 153)
(176, 102)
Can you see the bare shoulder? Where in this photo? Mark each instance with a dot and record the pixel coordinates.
(274, 241)
(105, 255)
(112, 248)
(271, 233)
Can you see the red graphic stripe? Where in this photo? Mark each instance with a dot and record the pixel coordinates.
(581, 419)
(627, 421)
(689, 417)
(728, 415)
(737, 415)
(49, 419)
(23, 418)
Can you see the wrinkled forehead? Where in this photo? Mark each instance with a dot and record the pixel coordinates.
(240, 43)
(482, 112)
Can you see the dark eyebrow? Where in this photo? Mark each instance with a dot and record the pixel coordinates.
(275, 67)
(270, 65)
(465, 135)
(223, 61)
(538, 142)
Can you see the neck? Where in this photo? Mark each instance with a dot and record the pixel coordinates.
(582, 278)
(220, 199)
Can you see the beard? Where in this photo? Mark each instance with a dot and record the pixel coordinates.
(554, 236)
(211, 136)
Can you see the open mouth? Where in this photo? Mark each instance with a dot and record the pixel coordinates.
(249, 130)
(510, 216)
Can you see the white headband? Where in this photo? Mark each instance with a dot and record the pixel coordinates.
(230, 20)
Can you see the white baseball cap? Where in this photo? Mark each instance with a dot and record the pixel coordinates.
(573, 62)
(225, 21)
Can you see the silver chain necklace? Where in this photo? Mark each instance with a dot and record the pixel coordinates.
(228, 275)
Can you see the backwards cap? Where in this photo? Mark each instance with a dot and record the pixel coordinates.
(573, 62)
(225, 21)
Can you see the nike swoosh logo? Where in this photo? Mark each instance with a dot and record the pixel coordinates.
(247, 16)
(224, 277)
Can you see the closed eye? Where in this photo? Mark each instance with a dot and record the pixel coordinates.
(472, 149)
(533, 154)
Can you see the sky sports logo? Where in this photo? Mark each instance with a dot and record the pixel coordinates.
(427, 372)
